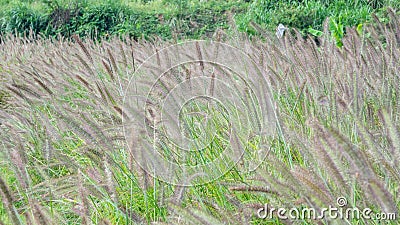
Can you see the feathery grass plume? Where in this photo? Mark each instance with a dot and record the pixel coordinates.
(336, 148)
(8, 202)
(279, 179)
(212, 84)
(110, 181)
(179, 193)
(188, 73)
(113, 62)
(228, 217)
(110, 96)
(308, 179)
(101, 90)
(30, 220)
(27, 90)
(87, 67)
(76, 127)
(260, 30)
(83, 47)
(380, 194)
(194, 216)
(47, 89)
(40, 216)
(19, 94)
(122, 53)
(394, 137)
(355, 156)
(377, 154)
(167, 63)
(182, 187)
(20, 166)
(199, 56)
(145, 161)
(158, 58)
(132, 147)
(133, 59)
(326, 162)
(381, 28)
(108, 69)
(84, 213)
(218, 34)
(395, 21)
(254, 189)
(134, 218)
(97, 132)
(47, 149)
(121, 112)
(85, 82)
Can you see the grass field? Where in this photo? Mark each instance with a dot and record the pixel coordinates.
(120, 131)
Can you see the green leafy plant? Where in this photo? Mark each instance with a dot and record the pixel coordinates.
(314, 32)
(21, 19)
(337, 31)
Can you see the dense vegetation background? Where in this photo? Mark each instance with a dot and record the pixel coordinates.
(183, 18)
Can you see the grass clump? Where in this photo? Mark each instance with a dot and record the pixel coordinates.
(107, 18)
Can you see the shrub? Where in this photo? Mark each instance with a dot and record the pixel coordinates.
(181, 18)
(304, 15)
(22, 18)
(108, 18)
(101, 18)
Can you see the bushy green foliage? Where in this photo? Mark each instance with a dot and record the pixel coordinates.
(22, 18)
(166, 19)
(180, 18)
(307, 14)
